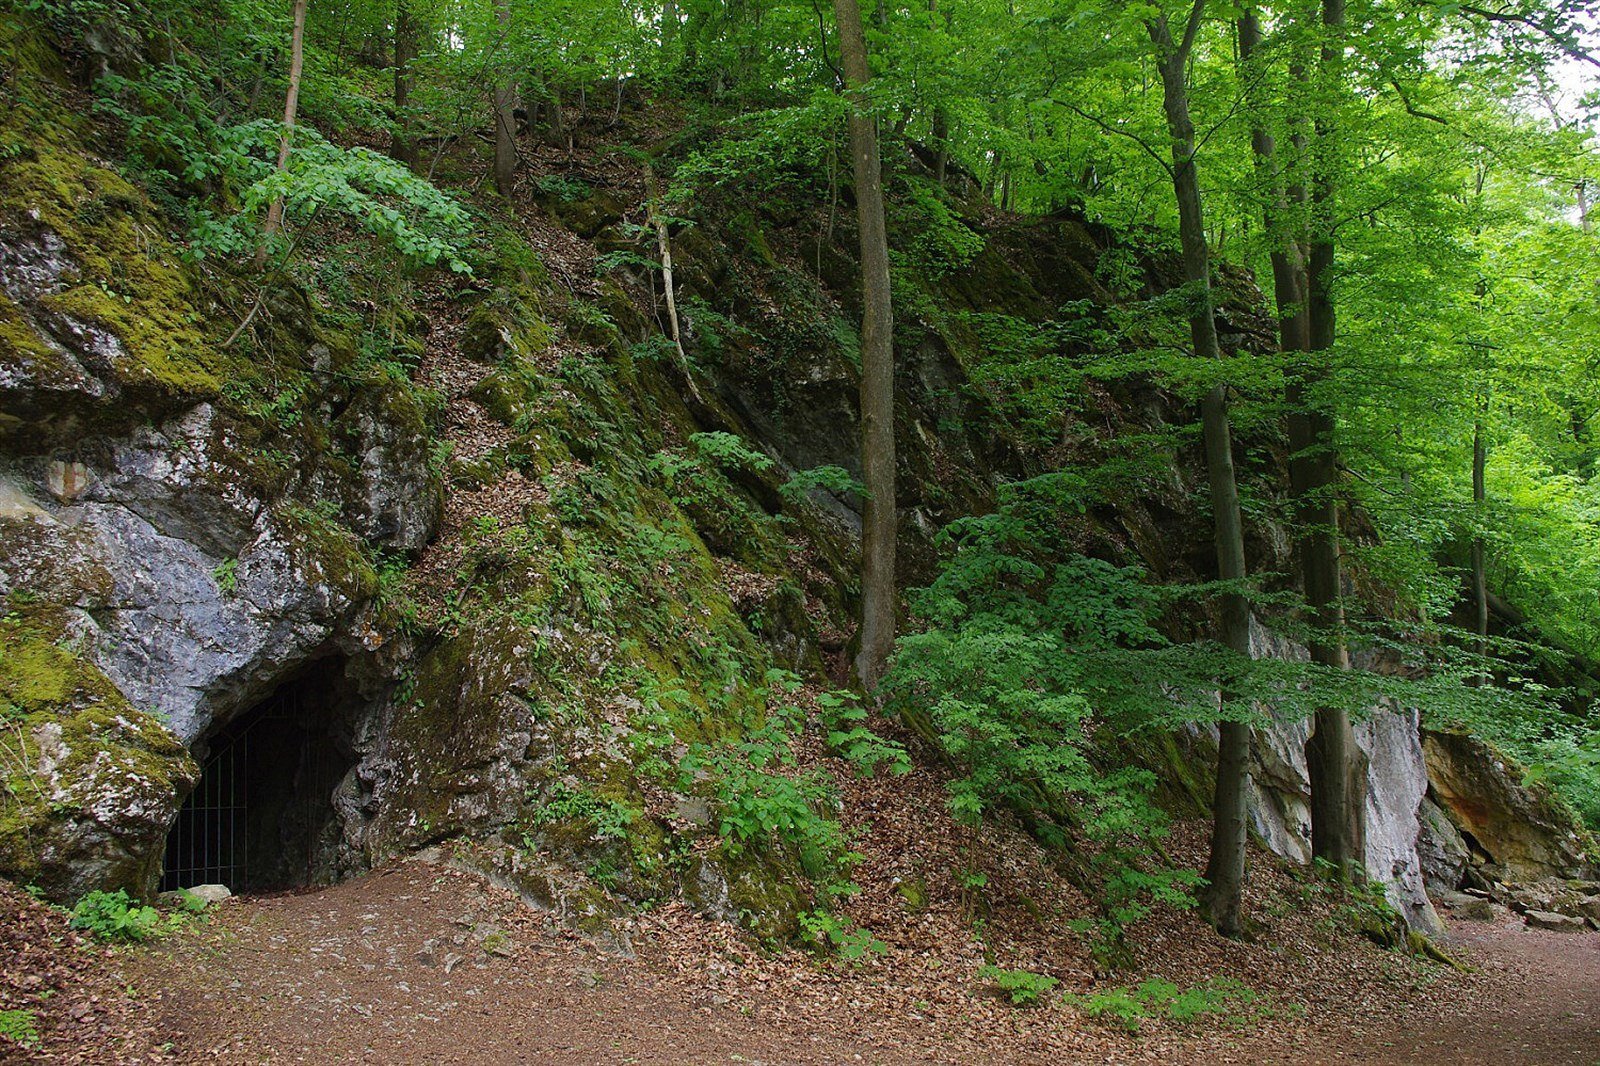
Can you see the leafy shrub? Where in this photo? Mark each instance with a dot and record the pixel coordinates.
(727, 450)
(825, 932)
(20, 1027)
(1023, 987)
(1570, 764)
(1034, 664)
(834, 479)
(177, 145)
(764, 801)
(845, 719)
(117, 917)
(1129, 1008)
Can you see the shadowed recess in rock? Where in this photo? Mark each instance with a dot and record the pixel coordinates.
(262, 817)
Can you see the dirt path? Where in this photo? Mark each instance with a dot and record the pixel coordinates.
(1543, 1010)
(421, 963)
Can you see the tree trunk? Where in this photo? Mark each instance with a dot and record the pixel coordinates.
(669, 24)
(1334, 762)
(505, 102)
(1480, 576)
(941, 123)
(403, 146)
(556, 132)
(291, 104)
(664, 249)
(1225, 868)
(878, 524)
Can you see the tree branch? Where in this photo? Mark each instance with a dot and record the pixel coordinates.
(1165, 164)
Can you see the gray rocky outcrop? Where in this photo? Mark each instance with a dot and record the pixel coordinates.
(170, 565)
(1397, 784)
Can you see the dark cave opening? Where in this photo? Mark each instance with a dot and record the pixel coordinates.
(262, 817)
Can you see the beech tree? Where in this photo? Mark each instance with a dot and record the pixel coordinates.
(504, 99)
(1225, 869)
(878, 522)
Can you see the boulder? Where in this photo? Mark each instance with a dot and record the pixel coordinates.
(1561, 923)
(210, 893)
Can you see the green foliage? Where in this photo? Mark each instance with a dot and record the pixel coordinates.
(610, 819)
(834, 479)
(727, 451)
(226, 574)
(826, 933)
(1129, 1008)
(764, 801)
(937, 239)
(845, 720)
(1023, 987)
(20, 1027)
(223, 176)
(1570, 764)
(1005, 671)
(117, 917)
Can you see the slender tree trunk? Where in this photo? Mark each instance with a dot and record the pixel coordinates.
(1335, 763)
(664, 249)
(878, 524)
(1288, 264)
(556, 132)
(941, 123)
(1480, 576)
(403, 147)
(1225, 869)
(505, 102)
(669, 23)
(291, 104)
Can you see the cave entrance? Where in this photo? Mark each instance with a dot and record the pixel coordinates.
(262, 817)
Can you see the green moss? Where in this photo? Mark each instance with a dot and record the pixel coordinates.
(20, 343)
(913, 892)
(328, 551)
(128, 279)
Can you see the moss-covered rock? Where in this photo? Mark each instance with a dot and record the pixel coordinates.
(89, 782)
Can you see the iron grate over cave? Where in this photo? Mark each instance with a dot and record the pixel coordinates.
(262, 811)
(208, 844)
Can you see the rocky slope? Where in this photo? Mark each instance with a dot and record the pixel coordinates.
(499, 565)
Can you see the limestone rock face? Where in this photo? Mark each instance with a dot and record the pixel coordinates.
(167, 563)
(1516, 832)
(1442, 849)
(1397, 783)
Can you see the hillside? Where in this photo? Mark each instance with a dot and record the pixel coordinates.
(438, 571)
